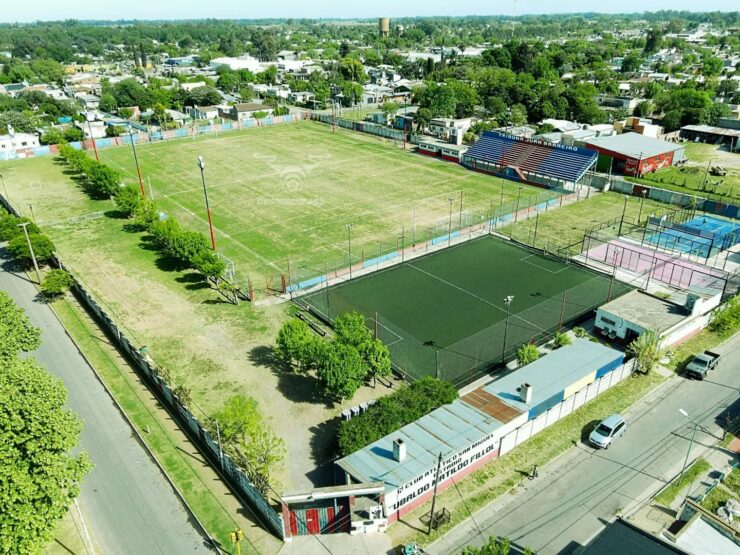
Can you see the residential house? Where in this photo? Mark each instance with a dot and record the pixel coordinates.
(15, 141)
(180, 61)
(194, 85)
(243, 62)
(610, 102)
(240, 112)
(301, 98)
(376, 94)
(203, 112)
(12, 89)
(451, 130)
(90, 101)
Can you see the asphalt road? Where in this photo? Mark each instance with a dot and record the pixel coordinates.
(579, 493)
(128, 505)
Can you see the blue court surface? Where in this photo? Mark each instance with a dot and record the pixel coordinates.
(703, 236)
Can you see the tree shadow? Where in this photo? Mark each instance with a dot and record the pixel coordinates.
(195, 281)
(116, 214)
(324, 452)
(296, 387)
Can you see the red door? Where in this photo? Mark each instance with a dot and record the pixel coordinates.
(312, 521)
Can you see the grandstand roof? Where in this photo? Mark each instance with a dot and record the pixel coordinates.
(565, 163)
(634, 145)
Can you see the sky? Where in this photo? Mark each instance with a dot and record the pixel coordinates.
(33, 10)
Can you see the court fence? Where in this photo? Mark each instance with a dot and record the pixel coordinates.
(470, 358)
(361, 126)
(222, 463)
(191, 131)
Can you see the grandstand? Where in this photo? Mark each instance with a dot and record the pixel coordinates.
(530, 161)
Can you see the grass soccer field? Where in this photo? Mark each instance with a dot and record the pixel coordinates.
(444, 314)
(283, 196)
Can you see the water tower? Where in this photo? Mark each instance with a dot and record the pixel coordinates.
(384, 25)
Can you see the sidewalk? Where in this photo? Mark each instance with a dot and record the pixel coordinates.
(655, 518)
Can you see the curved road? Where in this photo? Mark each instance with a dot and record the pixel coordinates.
(127, 504)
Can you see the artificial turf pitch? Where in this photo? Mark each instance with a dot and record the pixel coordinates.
(444, 314)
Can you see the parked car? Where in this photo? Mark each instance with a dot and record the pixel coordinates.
(607, 431)
(701, 364)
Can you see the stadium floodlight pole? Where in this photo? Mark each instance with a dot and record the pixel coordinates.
(642, 201)
(691, 443)
(136, 160)
(507, 301)
(30, 249)
(349, 248)
(617, 252)
(449, 225)
(202, 166)
(459, 223)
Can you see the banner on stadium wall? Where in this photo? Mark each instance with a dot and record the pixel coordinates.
(451, 467)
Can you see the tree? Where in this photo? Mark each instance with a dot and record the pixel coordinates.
(56, 283)
(103, 181)
(341, 371)
(73, 134)
(389, 108)
(203, 96)
(114, 130)
(293, 343)
(130, 92)
(127, 199)
(269, 76)
(422, 117)
(39, 474)
(561, 340)
(352, 70)
(653, 41)
(644, 109)
(631, 63)
(351, 330)
(518, 115)
(527, 354)
(263, 452)
(377, 358)
(711, 66)
(239, 419)
(108, 103)
(43, 248)
(646, 351)
(146, 214)
(9, 227)
(494, 546)
(16, 332)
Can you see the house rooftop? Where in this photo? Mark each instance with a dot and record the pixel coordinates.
(550, 375)
(635, 145)
(445, 430)
(647, 311)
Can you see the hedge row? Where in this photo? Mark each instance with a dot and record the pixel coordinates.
(393, 412)
(10, 231)
(190, 248)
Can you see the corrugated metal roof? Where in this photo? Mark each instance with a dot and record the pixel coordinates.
(491, 405)
(447, 429)
(553, 373)
(712, 130)
(635, 145)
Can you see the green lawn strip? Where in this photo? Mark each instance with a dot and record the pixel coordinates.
(732, 481)
(668, 494)
(67, 539)
(716, 498)
(699, 343)
(201, 500)
(501, 475)
(725, 188)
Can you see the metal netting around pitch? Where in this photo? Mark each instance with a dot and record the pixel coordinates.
(470, 358)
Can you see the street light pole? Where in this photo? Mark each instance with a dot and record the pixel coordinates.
(349, 248)
(30, 249)
(693, 434)
(202, 166)
(642, 201)
(624, 211)
(507, 302)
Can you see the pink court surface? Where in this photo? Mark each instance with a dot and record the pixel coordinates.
(660, 266)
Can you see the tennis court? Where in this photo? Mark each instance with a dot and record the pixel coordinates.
(444, 314)
(703, 236)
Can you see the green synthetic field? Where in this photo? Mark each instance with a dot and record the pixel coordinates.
(283, 196)
(443, 314)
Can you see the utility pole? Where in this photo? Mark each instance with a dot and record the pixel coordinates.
(95, 147)
(642, 201)
(136, 160)
(518, 198)
(459, 224)
(30, 249)
(691, 443)
(434, 495)
(624, 211)
(202, 166)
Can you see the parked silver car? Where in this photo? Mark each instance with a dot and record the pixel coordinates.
(607, 431)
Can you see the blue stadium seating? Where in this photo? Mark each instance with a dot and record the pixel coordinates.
(564, 163)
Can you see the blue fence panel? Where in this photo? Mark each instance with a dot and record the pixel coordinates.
(76, 145)
(379, 260)
(449, 237)
(306, 283)
(181, 132)
(226, 126)
(103, 143)
(248, 123)
(41, 151)
(267, 121)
